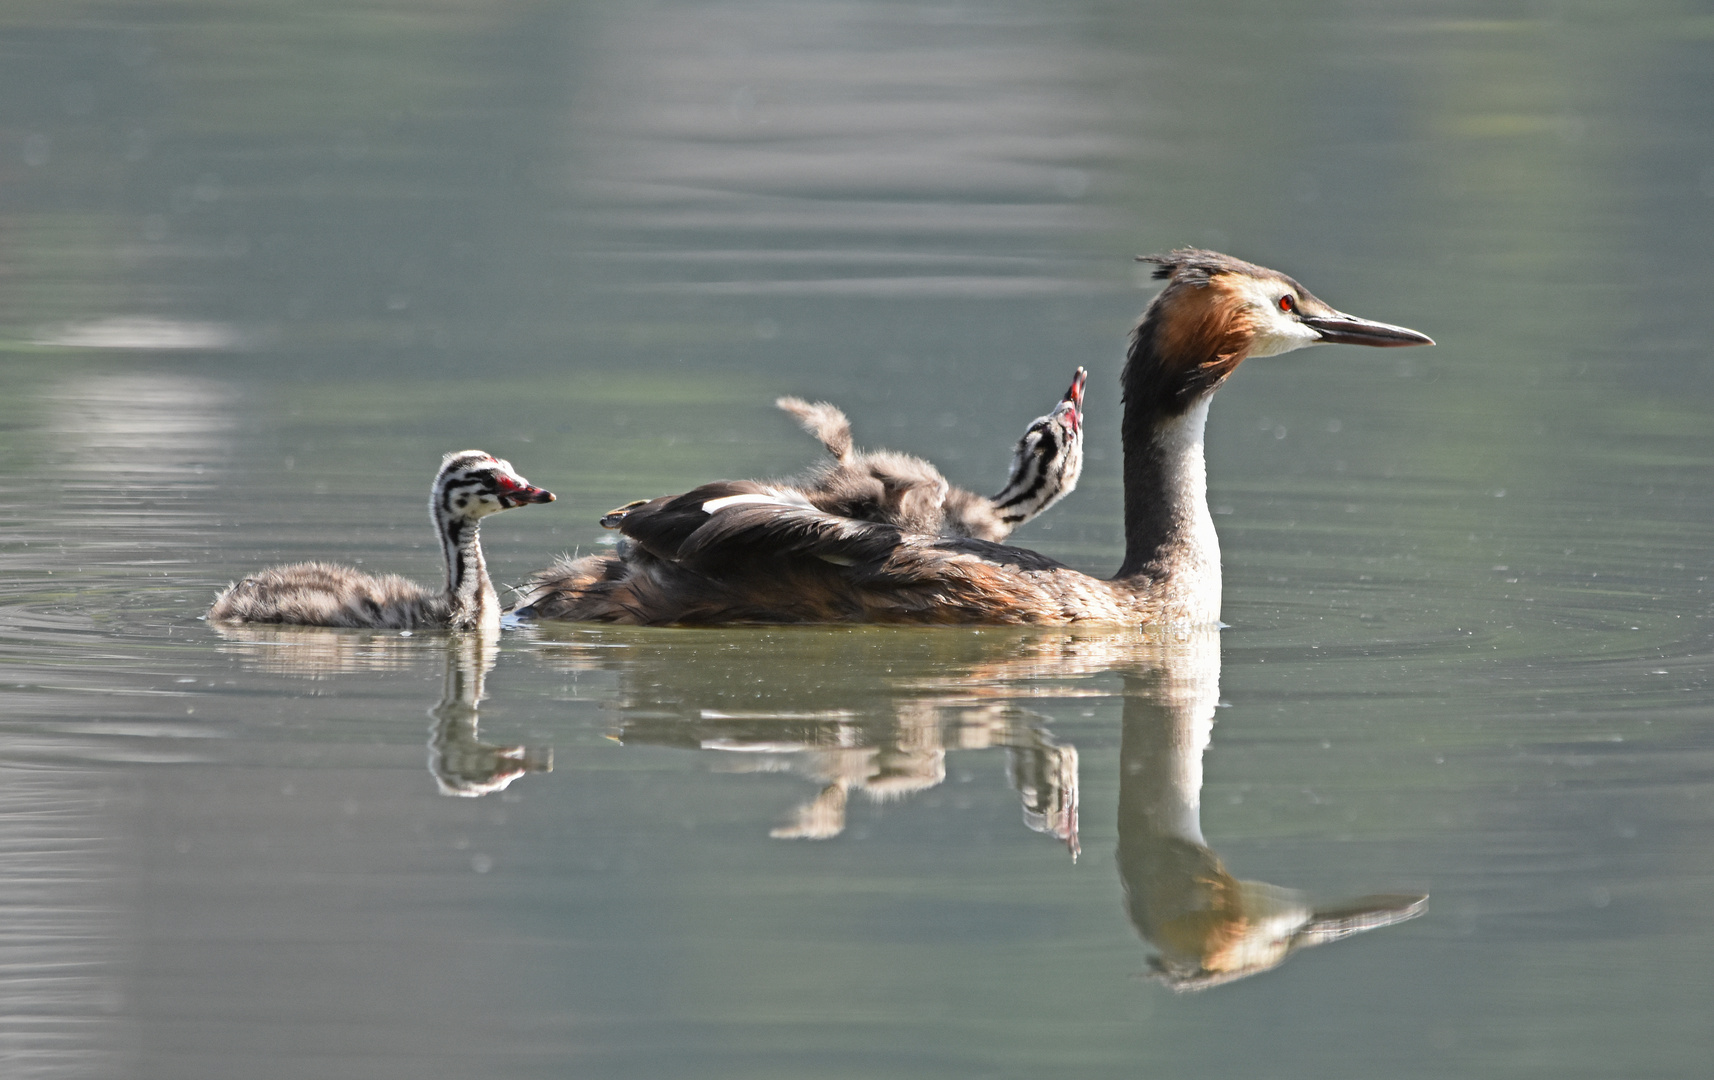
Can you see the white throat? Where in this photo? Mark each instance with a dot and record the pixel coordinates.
(470, 595)
(1194, 597)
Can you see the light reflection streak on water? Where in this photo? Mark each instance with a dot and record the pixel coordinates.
(860, 128)
(135, 454)
(62, 932)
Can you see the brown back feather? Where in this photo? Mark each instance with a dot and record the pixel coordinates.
(768, 564)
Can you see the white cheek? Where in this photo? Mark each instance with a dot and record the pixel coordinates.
(1276, 331)
(1281, 335)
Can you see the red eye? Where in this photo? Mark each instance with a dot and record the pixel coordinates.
(1287, 304)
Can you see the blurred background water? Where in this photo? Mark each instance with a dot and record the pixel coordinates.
(262, 263)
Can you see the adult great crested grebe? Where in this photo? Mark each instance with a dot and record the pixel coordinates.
(737, 552)
(470, 486)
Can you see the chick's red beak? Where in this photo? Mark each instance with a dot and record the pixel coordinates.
(523, 495)
(1075, 394)
(1072, 403)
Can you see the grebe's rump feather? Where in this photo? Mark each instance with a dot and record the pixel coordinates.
(326, 594)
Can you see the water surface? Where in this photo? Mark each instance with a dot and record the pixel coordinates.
(259, 268)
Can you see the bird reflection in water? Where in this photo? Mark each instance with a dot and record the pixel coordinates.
(460, 762)
(892, 758)
(876, 710)
(886, 738)
(1209, 927)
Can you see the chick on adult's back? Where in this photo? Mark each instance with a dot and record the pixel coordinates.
(902, 490)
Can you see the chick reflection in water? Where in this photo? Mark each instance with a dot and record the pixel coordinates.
(859, 712)
(1209, 927)
(460, 762)
(890, 760)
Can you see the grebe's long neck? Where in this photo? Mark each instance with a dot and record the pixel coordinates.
(469, 593)
(471, 485)
(1171, 548)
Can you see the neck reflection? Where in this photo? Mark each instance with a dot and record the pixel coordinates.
(875, 711)
(1207, 926)
(460, 762)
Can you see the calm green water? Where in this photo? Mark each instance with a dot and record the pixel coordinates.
(261, 264)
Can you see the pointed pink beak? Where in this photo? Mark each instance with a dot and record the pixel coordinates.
(527, 494)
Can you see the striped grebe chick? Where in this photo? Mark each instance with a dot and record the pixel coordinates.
(902, 490)
(470, 486)
(739, 551)
(1046, 464)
